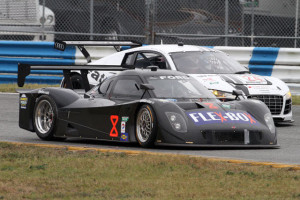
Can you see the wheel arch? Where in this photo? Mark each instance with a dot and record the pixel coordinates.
(255, 107)
(61, 96)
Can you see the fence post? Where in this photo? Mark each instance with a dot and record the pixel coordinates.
(243, 24)
(91, 19)
(226, 22)
(252, 22)
(153, 21)
(296, 23)
(43, 21)
(147, 20)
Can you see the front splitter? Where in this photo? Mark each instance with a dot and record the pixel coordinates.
(275, 146)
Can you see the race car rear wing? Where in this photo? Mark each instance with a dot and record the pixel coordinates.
(61, 45)
(25, 69)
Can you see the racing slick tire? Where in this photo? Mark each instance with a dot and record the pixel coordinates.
(45, 118)
(146, 126)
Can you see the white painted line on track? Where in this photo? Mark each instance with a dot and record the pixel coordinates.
(9, 93)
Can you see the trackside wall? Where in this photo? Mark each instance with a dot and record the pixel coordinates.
(37, 53)
(283, 63)
(41, 53)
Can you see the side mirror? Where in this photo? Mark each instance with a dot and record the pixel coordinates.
(146, 87)
(238, 94)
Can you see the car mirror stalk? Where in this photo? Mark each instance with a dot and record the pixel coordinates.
(238, 94)
(146, 87)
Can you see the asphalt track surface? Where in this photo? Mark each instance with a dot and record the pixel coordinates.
(288, 137)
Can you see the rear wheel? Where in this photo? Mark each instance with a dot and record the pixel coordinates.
(146, 126)
(45, 117)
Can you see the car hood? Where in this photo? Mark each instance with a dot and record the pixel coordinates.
(248, 83)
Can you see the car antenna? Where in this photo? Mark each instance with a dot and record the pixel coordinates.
(161, 42)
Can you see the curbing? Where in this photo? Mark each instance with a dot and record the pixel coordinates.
(137, 152)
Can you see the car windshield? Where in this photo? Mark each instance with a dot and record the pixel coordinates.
(196, 62)
(178, 87)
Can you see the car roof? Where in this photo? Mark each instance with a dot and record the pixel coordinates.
(171, 48)
(149, 72)
(116, 58)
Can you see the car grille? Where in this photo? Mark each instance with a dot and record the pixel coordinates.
(231, 137)
(288, 106)
(274, 102)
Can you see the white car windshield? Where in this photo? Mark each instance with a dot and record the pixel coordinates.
(178, 87)
(196, 62)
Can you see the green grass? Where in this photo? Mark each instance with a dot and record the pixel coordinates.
(46, 173)
(14, 87)
(296, 100)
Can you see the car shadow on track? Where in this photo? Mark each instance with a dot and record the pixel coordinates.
(135, 147)
(282, 124)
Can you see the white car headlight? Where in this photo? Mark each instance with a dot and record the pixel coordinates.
(177, 122)
(221, 94)
(50, 19)
(288, 95)
(270, 123)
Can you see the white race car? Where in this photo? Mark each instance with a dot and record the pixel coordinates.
(214, 69)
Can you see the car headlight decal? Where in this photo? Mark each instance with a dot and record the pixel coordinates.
(270, 123)
(177, 122)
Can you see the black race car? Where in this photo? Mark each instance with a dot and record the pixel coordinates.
(147, 106)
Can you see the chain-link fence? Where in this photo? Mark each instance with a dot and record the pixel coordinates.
(198, 22)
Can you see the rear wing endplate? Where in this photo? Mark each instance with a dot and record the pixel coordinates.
(61, 45)
(25, 69)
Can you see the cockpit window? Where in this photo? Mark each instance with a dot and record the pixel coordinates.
(105, 86)
(184, 87)
(127, 87)
(196, 62)
(143, 60)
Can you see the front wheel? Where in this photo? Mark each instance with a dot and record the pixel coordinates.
(45, 117)
(146, 126)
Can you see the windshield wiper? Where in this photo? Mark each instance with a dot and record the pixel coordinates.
(242, 72)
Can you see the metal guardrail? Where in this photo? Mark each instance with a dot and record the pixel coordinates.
(282, 63)
(42, 53)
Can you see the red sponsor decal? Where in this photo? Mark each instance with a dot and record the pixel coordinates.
(252, 121)
(114, 120)
(220, 115)
(211, 105)
(208, 79)
(253, 78)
